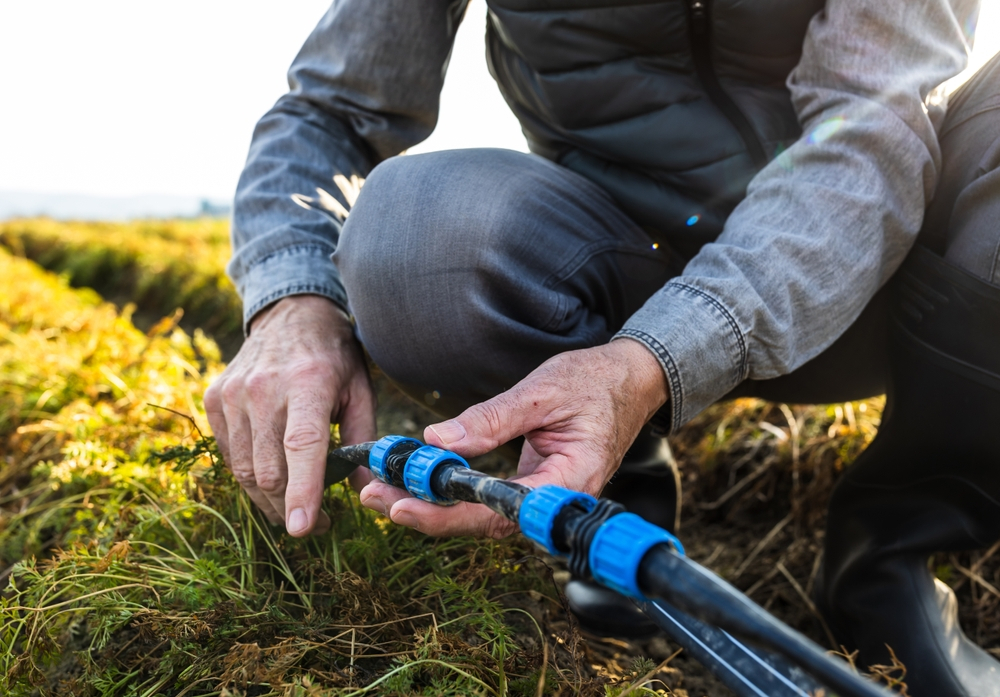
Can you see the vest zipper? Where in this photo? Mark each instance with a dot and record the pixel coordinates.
(701, 48)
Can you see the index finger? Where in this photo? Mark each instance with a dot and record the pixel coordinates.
(307, 438)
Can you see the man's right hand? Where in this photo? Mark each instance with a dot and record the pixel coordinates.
(300, 370)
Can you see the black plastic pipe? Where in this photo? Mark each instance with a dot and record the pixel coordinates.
(663, 574)
(704, 595)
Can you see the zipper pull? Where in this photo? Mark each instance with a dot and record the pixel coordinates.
(699, 16)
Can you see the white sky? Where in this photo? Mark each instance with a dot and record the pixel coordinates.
(126, 97)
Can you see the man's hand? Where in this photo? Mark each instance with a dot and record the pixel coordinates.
(300, 370)
(579, 413)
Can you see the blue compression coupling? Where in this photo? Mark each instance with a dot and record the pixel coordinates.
(618, 548)
(379, 451)
(540, 508)
(420, 468)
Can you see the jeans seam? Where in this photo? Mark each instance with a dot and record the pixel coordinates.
(554, 318)
(586, 254)
(578, 261)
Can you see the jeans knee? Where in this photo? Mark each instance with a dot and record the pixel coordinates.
(412, 256)
(456, 266)
(960, 223)
(416, 212)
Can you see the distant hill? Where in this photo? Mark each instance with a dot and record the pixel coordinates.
(14, 204)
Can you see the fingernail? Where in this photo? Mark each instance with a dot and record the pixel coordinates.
(406, 519)
(298, 521)
(377, 504)
(449, 431)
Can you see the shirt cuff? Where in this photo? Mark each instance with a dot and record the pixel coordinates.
(699, 344)
(298, 270)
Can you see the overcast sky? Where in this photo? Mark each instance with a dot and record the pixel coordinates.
(126, 97)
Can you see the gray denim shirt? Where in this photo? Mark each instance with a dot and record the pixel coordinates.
(823, 226)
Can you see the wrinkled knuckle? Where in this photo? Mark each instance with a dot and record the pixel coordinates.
(244, 476)
(231, 392)
(258, 384)
(491, 416)
(270, 481)
(305, 438)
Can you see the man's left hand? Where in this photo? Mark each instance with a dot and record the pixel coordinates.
(579, 413)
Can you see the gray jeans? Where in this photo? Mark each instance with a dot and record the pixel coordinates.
(466, 269)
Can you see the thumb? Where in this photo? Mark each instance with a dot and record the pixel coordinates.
(486, 426)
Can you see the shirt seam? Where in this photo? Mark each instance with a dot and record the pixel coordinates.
(742, 368)
(670, 367)
(288, 251)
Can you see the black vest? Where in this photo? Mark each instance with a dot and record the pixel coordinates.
(671, 106)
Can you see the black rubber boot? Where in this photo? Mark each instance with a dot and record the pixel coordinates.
(647, 484)
(929, 482)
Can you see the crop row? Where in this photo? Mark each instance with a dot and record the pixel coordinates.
(158, 265)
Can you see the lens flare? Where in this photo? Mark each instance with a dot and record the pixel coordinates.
(826, 129)
(693, 219)
(970, 27)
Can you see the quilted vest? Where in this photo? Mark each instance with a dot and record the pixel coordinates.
(671, 106)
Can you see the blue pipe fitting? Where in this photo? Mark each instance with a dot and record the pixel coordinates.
(540, 508)
(420, 468)
(379, 451)
(618, 548)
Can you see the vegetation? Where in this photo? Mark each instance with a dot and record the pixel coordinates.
(158, 265)
(134, 566)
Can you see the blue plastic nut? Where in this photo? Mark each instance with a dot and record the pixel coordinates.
(376, 458)
(540, 508)
(420, 468)
(618, 548)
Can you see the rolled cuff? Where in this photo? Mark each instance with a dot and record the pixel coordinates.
(299, 270)
(699, 345)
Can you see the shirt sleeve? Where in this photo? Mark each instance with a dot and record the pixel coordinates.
(364, 87)
(827, 222)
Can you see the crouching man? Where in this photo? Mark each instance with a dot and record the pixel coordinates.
(719, 202)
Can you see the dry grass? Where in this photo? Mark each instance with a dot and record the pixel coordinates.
(758, 479)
